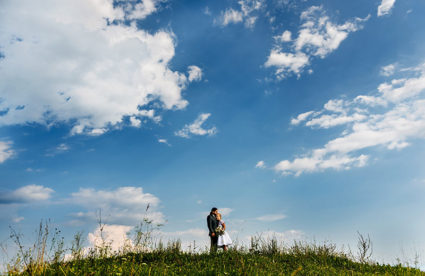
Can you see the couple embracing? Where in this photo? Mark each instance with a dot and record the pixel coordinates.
(217, 231)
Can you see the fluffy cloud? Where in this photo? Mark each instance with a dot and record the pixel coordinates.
(66, 63)
(272, 217)
(317, 37)
(123, 206)
(115, 236)
(196, 127)
(5, 151)
(118, 237)
(135, 122)
(327, 121)
(284, 37)
(389, 119)
(139, 9)
(385, 7)
(246, 13)
(26, 194)
(301, 117)
(195, 73)
(287, 62)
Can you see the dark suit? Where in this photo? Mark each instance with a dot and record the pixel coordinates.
(212, 223)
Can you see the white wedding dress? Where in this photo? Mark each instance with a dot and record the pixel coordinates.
(225, 238)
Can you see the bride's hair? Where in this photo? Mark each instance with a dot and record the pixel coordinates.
(219, 216)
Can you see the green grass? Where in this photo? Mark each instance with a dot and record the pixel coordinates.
(144, 257)
(297, 260)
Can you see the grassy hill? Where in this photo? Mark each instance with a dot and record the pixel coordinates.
(297, 260)
(232, 263)
(141, 256)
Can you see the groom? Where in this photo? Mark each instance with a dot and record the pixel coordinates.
(212, 223)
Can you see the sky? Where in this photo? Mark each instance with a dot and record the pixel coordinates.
(301, 120)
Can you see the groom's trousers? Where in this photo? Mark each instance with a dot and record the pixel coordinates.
(213, 247)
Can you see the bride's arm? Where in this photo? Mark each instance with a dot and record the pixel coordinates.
(224, 226)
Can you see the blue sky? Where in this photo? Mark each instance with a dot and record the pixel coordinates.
(299, 119)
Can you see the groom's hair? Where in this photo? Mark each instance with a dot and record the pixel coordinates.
(213, 209)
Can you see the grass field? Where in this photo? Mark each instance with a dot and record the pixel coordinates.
(48, 256)
(307, 262)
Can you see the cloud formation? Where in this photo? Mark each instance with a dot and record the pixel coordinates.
(245, 14)
(122, 206)
(115, 236)
(388, 119)
(67, 63)
(6, 151)
(195, 73)
(196, 128)
(26, 194)
(317, 37)
(385, 7)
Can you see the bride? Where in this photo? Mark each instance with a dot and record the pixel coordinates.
(223, 239)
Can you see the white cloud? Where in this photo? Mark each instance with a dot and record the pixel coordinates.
(26, 194)
(385, 7)
(260, 164)
(387, 70)
(6, 151)
(140, 10)
(118, 237)
(135, 122)
(195, 73)
(300, 118)
(196, 127)
(284, 37)
(317, 37)
(388, 119)
(65, 63)
(327, 121)
(231, 16)
(245, 14)
(115, 236)
(271, 217)
(163, 141)
(124, 206)
(287, 62)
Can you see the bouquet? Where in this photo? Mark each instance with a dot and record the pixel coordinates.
(219, 230)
